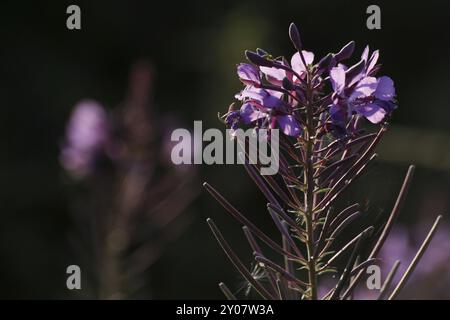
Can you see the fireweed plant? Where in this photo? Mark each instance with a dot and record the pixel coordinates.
(126, 213)
(319, 107)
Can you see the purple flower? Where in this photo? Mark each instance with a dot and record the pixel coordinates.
(276, 75)
(371, 63)
(233, 120)
(277, 90)
(86, 135)
(265, 107)
(367, 96)
(269, 106)
(248, 74)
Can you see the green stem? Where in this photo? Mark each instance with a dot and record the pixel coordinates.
(309, 195)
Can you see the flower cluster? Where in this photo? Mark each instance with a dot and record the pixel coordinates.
(277, 91)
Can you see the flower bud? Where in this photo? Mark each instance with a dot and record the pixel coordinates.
(346, 51)
(295, 37)
(257, 59)
(261, 52)
(325, 63)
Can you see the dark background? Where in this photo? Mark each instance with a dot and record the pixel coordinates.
(45, 69)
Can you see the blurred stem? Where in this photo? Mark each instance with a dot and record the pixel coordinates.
(110, 288)
(309, 194)
(116, 242)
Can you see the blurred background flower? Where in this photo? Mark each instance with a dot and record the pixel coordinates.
(132, 194)
(86, 137)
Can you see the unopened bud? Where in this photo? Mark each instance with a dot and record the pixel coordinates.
(295, 37)
(257, 59)
(346, 51)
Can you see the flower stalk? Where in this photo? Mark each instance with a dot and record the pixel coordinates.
(309, 193)
(324, 147)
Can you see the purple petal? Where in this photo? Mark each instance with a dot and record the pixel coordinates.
(370, 62)
(365, 54)
(372, 111)
(355, 73)
(248, 74)
(343, 66)
(385, 89)
(272, 101)
(267, 99)
(365, 88)
(289, 125)
(337, 76)
(297, 63)
(373, 60)
(250, 92)
(339, 114)
(274, 75)
(250, 113)
(386, 105)
(275, 93)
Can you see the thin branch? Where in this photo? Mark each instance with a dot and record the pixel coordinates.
(323, 232)
(283, 215)
(237, 262)
(387, 228)
(343, 214)
(347, 271)
(345, 223)
(261, 184)
(389, 278)
(362, 266)
(277, 189)
(290, 277)
(416, 259)
(242, 219)
(367, 231)
(288, 265)
(359, 164)
(255, 247)
(335, 166)
(342, 184)
(284, 231)
(395, 210)
(228, 294)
